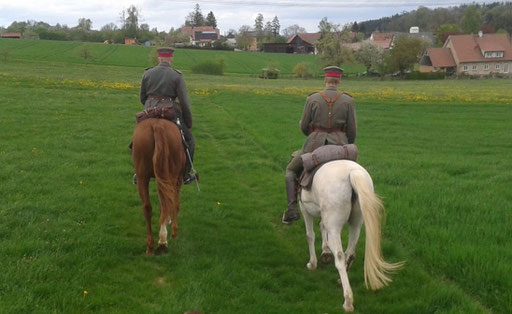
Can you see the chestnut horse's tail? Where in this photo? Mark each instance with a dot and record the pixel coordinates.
(167, 172)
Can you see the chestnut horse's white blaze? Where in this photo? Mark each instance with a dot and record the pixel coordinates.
(342, 192)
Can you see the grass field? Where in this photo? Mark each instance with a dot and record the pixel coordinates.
(72, 233)
(237, 63)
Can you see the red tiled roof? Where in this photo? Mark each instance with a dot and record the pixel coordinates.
(468, 48)
(191, 30)
(10, 35)
(382, 36)
(441, 57)
(384, 44)
(310, 38)
(383, 40)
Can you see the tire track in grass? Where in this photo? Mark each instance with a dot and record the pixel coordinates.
(108, 53)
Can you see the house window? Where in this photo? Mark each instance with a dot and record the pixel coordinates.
(497, 67)
(506, 67)
(475, 67)
(493, 54)
(486, 67)
(465, 67)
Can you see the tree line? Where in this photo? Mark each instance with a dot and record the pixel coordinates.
(491, 17)
(130, 27)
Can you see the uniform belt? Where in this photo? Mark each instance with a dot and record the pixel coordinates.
(160, 98)
(330, 130)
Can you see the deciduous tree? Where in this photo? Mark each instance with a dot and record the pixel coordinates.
(130, 21)
(293, 30)
(369, 54)
(406, 53)
(471, 20)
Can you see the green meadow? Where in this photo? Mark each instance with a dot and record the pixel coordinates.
(72, 233)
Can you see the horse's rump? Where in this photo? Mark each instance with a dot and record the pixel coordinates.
(158, 152)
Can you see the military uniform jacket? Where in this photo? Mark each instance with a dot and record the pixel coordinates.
(328, 125)
(161, 85)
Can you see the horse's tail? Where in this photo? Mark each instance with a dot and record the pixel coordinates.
(167, 189)
(376, 270)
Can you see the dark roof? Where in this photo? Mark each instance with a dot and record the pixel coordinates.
(204, 35)
(310, 38)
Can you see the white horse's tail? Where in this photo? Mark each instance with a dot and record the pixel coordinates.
(376, 270)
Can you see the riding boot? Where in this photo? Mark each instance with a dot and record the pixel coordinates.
(291, 214)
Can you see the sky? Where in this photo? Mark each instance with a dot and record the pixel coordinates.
(230, 14)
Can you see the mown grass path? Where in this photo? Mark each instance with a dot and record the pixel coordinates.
(72, 230)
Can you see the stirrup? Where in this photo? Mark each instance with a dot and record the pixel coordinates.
(134, 179)
(288, 219)
(190, 177)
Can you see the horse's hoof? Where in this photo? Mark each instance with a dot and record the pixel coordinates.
(149, 251)
(348, 308)
(326, 257)
(311, 266)
(161, 249)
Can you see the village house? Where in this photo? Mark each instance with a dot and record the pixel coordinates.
(304, 42)
(202, 36)
(474, 55)
(386, 40)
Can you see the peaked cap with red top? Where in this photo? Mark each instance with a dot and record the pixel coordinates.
(165, 52)
(333, 71)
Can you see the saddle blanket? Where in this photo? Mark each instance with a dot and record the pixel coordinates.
(314, 160)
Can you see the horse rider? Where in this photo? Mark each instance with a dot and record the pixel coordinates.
(329, 118)
(162, 85)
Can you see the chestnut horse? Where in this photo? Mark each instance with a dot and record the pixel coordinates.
(158, 152)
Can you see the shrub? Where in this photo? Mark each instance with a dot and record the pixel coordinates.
(212, 67)
(302, 70)
(270, 72)
(425, 75)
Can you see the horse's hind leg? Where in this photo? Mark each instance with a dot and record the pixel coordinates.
(355, 222)
(326, 256)
(162, 241)
(310, 235)
(143, 185)
(334, 241)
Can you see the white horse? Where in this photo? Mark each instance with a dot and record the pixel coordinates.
(342, 191)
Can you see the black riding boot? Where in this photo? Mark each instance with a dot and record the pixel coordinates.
(291, 214)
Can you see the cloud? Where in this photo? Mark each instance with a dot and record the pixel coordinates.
(230, 14)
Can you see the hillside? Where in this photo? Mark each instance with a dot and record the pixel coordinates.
(237, 63)
(497, 15)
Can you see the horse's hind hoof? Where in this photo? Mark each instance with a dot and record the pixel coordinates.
(326, 258)
(161, 249)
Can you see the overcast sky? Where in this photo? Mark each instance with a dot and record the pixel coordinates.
(230, 14)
